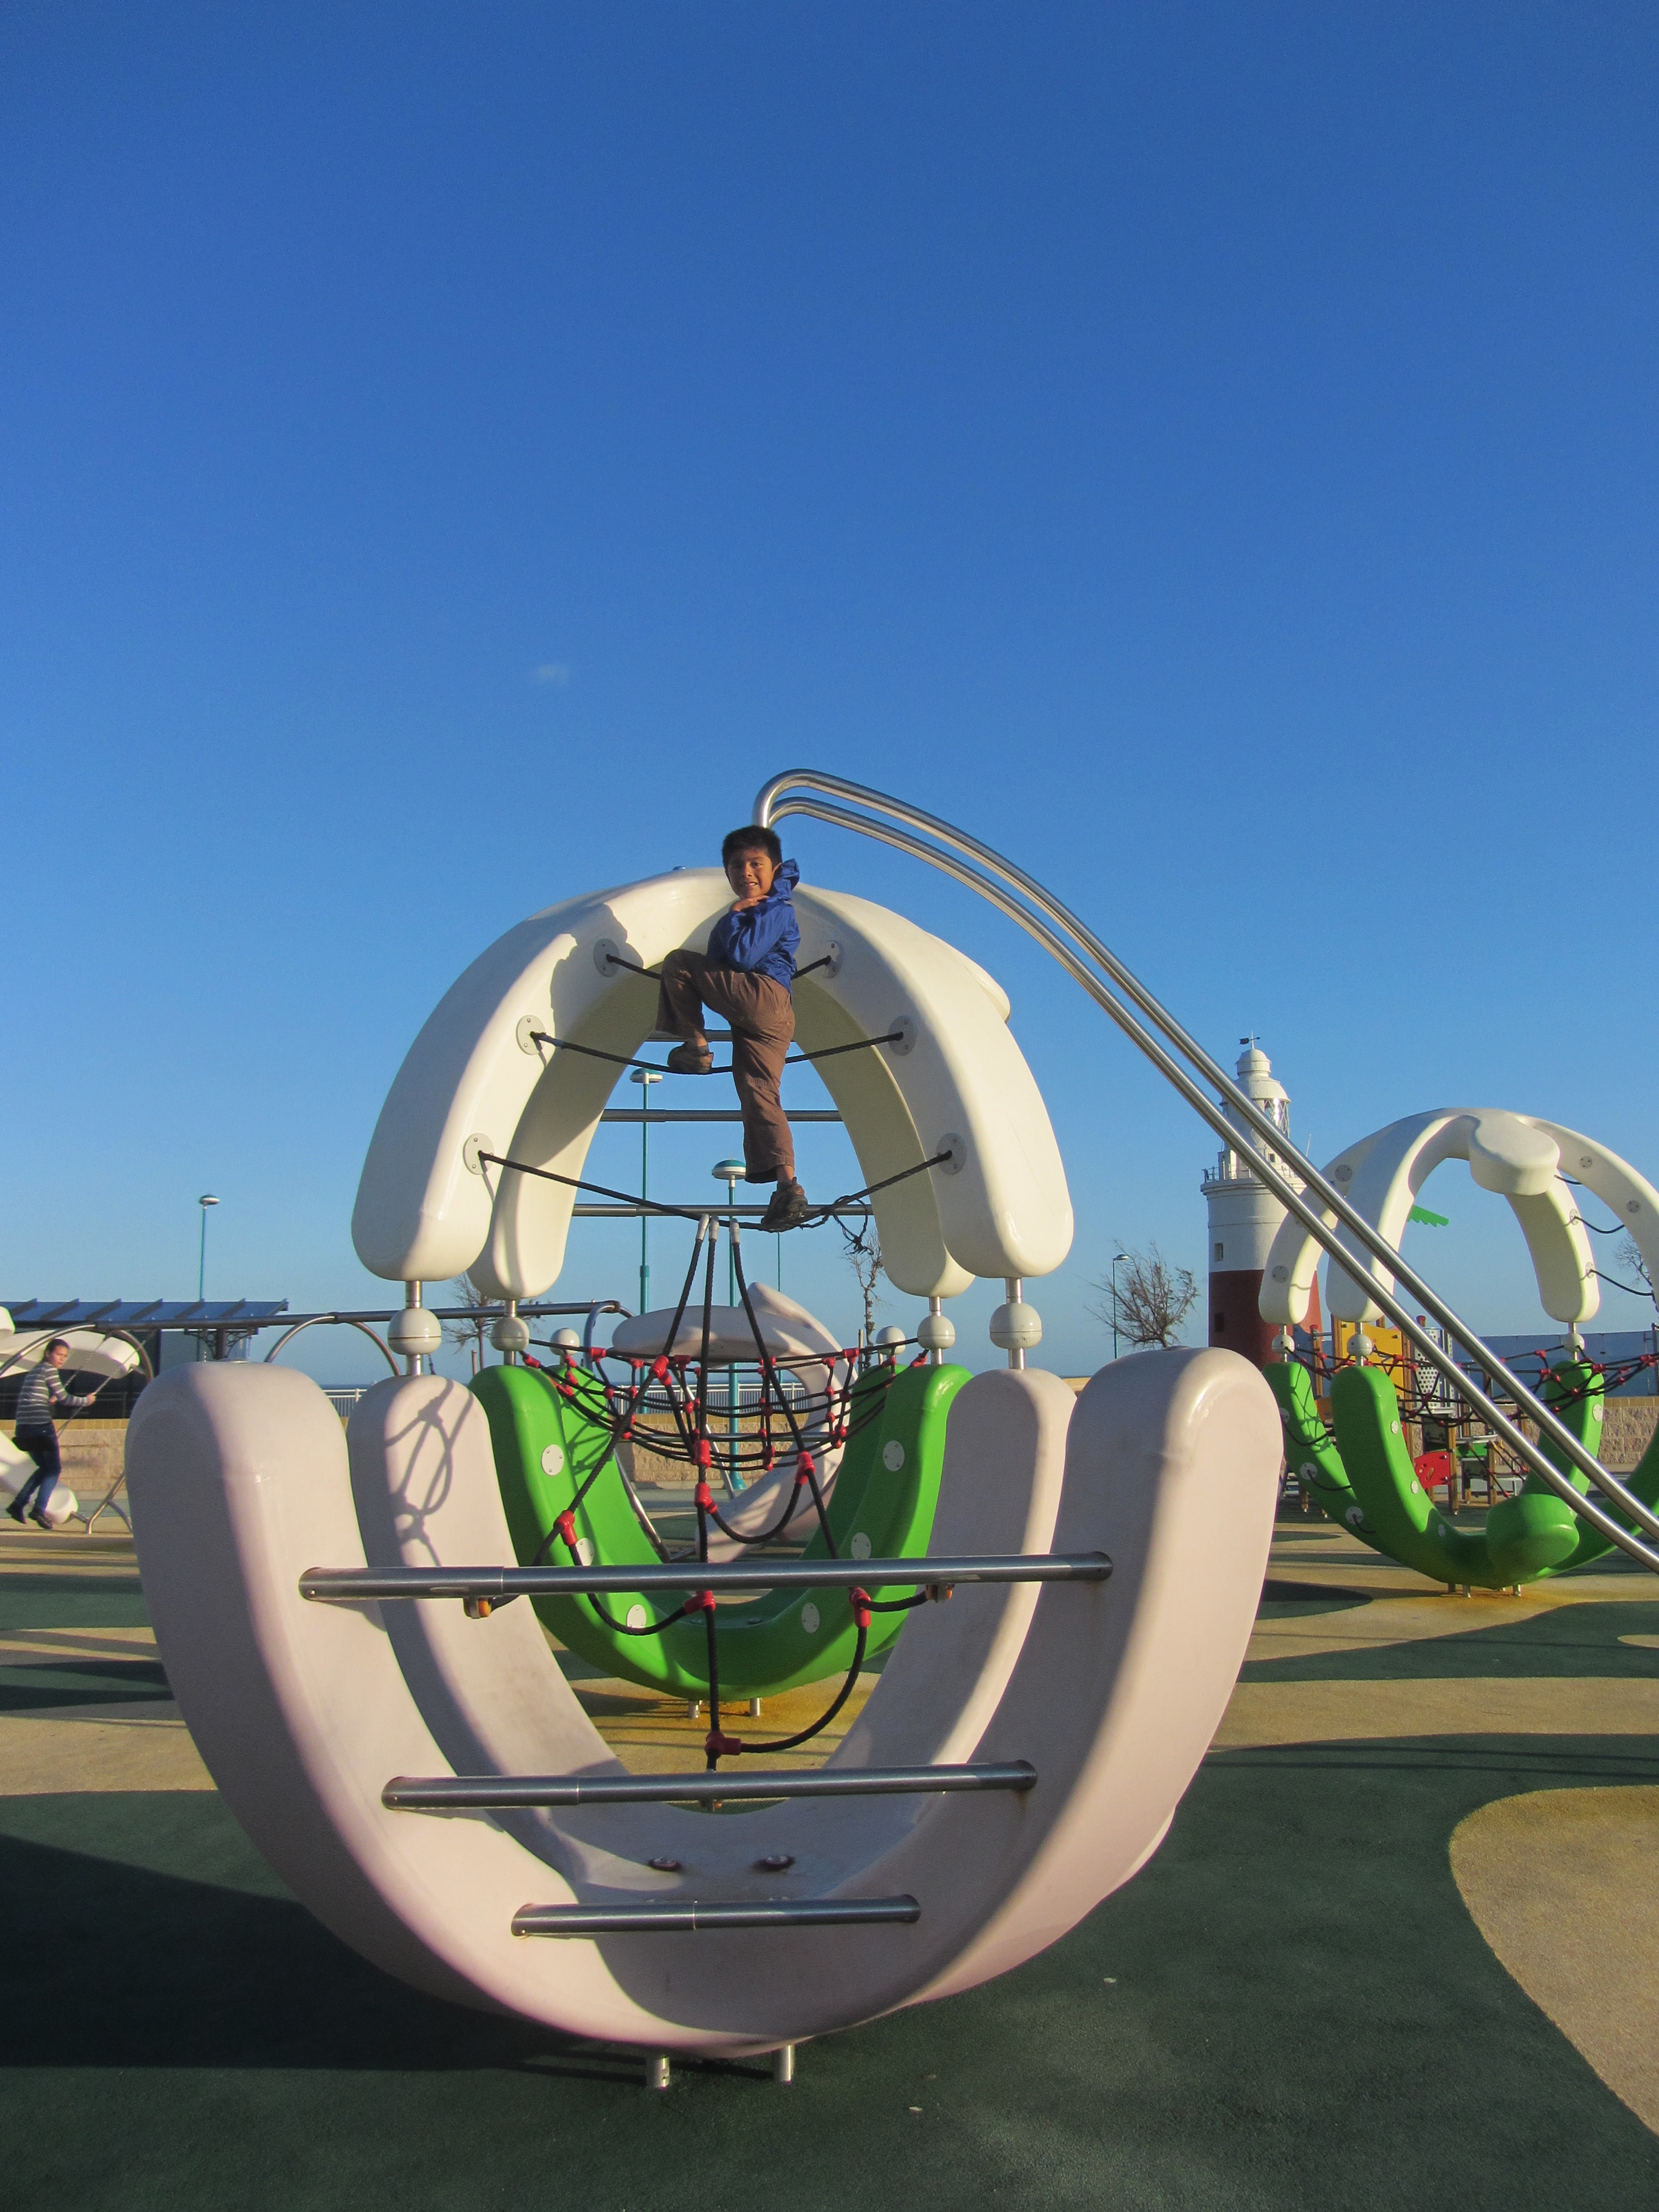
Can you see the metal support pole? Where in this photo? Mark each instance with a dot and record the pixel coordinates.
(656, 2071)
(783, 2064)
(728, 1171)
(1015, 1288)
(412, 1297)
(645, 1077)
(1324, 1210)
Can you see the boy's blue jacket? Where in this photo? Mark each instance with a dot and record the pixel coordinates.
(764, 939)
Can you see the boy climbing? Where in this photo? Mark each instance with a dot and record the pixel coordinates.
(745, 975)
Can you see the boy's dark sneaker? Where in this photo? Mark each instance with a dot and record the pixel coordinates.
(39, 1519)
(787, 1209)
(690, 1059)
(15, 1511)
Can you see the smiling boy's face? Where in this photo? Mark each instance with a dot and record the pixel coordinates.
(749, 872)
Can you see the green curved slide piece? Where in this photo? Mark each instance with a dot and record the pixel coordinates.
(1532, 1535)
(882, 1507)
(1410, 1526)
(1536, 1531)
(1585, 1420)
(1365, 1478)
(1310, 1450)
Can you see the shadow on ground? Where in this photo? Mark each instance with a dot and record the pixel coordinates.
(1290, 2007)
(1581, 1640)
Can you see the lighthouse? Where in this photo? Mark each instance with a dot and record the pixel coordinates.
(1244, 1217)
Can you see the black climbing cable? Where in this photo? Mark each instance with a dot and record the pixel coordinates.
(795, 1059)
(819, 1214)
(731, 1745)
(574, 1182)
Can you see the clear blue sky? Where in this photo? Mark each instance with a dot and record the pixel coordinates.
(449, 457)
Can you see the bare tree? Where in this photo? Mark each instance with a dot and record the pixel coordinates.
(1629, 1255)
(1149, 1300)
(864, 1258)
(469, 1333)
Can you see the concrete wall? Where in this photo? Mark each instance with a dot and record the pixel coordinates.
(93, 1452)
(1627, 1430)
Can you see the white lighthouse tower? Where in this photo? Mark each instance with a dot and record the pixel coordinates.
(1244, 1217)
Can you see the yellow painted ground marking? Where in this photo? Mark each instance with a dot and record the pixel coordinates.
(1553, 1880)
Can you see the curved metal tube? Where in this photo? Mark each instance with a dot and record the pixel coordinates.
(1009, 888)
(335, 1321)
(106, 1503)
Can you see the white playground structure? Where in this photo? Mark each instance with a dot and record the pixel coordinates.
(335, 1614)
(92, 1352)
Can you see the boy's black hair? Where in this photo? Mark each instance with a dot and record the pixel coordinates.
(751, 838)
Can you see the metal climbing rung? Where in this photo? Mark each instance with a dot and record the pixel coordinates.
(694, 1916)
(363, 1585)
(450, 1793)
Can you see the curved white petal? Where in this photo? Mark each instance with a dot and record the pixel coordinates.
(303, 1712)
(477, 1080)
(1519, 1156)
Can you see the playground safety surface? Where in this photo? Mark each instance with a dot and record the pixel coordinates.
(1394, 1952)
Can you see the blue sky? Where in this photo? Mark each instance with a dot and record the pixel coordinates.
(449, 457)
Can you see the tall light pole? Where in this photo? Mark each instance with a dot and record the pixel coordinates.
(206, 1199)
(730, 1172)
(1117, 1262)
(645, 1077)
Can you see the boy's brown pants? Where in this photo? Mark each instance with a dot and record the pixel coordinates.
(762, 1017)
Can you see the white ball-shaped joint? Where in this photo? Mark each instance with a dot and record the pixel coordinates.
(889, 1337)
(511, 1335)
(566, 1340)
(936, 1333)
(1361, 1347)
(1016, 1326)
(414, 1330)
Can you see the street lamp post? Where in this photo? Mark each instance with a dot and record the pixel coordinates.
(645, 1077)
(206, 1199)
(1116, 1263)
(730, 1172)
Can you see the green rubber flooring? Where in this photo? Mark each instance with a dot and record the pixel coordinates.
(1290, 2007)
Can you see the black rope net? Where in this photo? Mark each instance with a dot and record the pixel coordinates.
(825, 1399)
(1562, 1378)
(806, 1404)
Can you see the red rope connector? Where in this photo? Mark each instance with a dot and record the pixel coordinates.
(566, 1525)
(719, 1745)
(705, 1496)
(531, 1360)
(860, 1600)
(699, 1601)
(805, 1469)
(705, 1452)
(659, 1368)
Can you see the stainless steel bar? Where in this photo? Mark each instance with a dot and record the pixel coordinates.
(445, 1793)
(634, 1213)
(528, 1310)
(769, 805)
(694, 1917)
(637, 1114)
(370, 1585)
